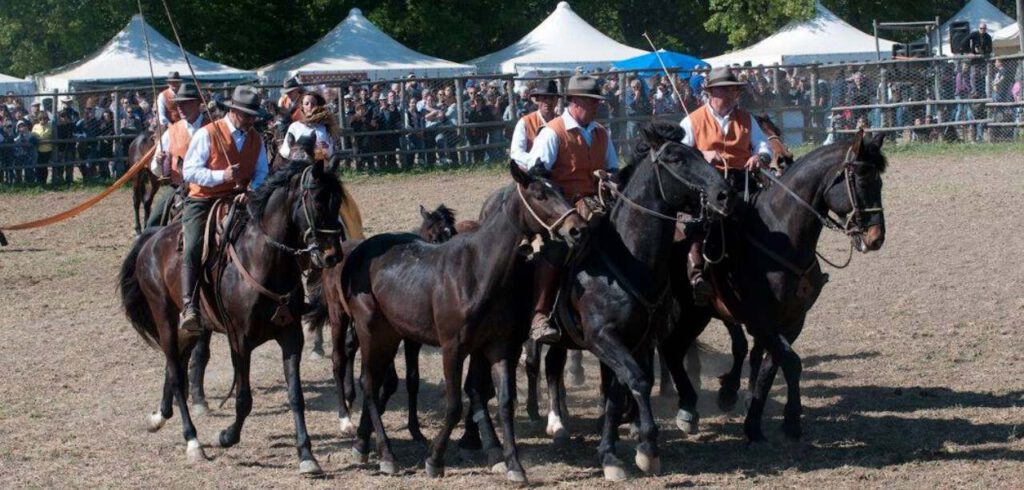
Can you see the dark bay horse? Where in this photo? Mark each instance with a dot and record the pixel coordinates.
(144, 185)
(255, 296)
(771, 265)
(463, 296)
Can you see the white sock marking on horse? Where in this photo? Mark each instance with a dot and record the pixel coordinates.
(554, 424)
(156, 421)
(346, 425)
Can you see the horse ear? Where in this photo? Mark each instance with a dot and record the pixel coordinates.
(332, 166)
(518, 174)
(858, 140)
(878, 140)
(423, 212)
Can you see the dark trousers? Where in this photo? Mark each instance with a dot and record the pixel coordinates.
(162, 202)
(193, 222)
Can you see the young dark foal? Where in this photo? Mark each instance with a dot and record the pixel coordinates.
(771, 247)
(295, 211)
(462, 296)
(144, 185)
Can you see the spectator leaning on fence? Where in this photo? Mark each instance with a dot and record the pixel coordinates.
(979, 41)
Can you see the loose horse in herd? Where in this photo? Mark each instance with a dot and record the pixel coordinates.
(463, 286)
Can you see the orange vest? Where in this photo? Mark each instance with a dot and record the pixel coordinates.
(284, 102)
(177, 147)
(734, 147)
(221, 143)
(172, 108)
(576, 162)
(533, 124)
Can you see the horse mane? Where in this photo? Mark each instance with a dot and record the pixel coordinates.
(870, 154)
(446, 214)
(641, 149)
(282, 178)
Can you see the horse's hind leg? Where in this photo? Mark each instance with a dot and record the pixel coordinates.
(317, 352)
(762, 387)
(479, 433)
(137, 190)
(378, 354)
(504, 379)
(452, 359)
(290, 341)
(554, 372)
(197, 374)
(241, 359)
(792, 367)
(730, 381)
(351, 346)
(687, 418)
(665, 386)
(341, 364)
(612, 466)
(531, 364)
(576, 375)
(412, 388)
(156, 420)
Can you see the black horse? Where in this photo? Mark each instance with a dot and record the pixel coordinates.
(253, 296)
(771, 277)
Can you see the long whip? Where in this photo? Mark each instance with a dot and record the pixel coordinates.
(152, 77)
(671, 80)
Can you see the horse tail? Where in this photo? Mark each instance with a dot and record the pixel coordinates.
(132, 298)
(316, 309)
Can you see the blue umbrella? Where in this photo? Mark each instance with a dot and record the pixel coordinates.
(649, 62)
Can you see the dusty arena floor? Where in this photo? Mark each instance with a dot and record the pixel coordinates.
(913, 361)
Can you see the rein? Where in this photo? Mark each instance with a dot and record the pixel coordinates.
(310, 238)
(550, 228)
(658, 165)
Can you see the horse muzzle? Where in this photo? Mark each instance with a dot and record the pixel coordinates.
(870, 240)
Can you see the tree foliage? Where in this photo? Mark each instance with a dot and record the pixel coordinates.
(38, 35)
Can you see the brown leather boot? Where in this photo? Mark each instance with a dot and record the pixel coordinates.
(702, 291)
(545, 287)
(189, 318)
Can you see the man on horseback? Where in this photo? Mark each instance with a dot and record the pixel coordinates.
(291, 99)
(732, 141)
(573, 147)
(530, 125)
(223, 158)
(166, 108)
(174, 142)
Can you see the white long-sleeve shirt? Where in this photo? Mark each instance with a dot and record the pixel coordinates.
(299, 129)
(165, 142)
(545, 146)
(161, 110)
(195, 170)
(518, 151)
(758, 141)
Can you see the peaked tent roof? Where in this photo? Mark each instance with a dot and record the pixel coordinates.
(976, 12)
(356, 45)
(823, 39)
(1007, 38)
(124, 60)
(563, 41)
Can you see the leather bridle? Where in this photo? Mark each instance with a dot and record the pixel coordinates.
(552, 234)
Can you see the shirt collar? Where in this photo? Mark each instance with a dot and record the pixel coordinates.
(231, 125)
(715, 113)
(570, 123)
(199, 122)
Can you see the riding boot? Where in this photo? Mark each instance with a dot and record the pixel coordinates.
(545, 288)
(702, 291)
(189, 319)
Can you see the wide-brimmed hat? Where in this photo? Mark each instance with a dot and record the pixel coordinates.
(583, 86)
(67, 99)
(722, 76)
(173, 77)
(550, 90)
(187, 91)
(244, 99)
(291, 84)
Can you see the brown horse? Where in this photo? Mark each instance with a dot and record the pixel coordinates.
(144, 185)
(255, 294)
(461, 296)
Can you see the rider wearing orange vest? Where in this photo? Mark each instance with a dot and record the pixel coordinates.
(572, 146)
(166, 110)
(530, 124)
(223, 159)
(732, 141)
(291, 99)
(174, 143)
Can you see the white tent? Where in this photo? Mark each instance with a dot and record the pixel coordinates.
(123, 61)
(357, 47)
(824, 39)
(1006, 40)
(563, 41)
(976, 12)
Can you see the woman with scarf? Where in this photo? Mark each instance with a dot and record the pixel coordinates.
(316, 120)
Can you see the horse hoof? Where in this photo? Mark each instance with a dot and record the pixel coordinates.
(310, 467)
(388, 467)
(347, 428)
(647, 464)
(517, 477)
(555, 429)
(614, 473)
(634, 430)
(199, 409)
(155, 422)
(316, 354)
(499, 468)
(433, 471)
(222, 440)
(194, 452)
(687, 422)
(361, 457)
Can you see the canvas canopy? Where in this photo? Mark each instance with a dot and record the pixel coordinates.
(1006, 40)
(124, 61)
(650, 62)
(823, 39)
(358, 47)
(563, 41)
(975, 12)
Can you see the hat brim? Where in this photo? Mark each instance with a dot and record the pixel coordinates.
(726, 84)
(544, 94)
(183, 99)
(248, 110)
(292, 89)
(587, 95)
(174, 80)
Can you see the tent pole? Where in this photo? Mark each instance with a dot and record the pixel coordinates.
(878, 48)
(1020, 25)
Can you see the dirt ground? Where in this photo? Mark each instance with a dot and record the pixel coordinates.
(913, 365)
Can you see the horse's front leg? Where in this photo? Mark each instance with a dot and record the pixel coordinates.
(290, 340)
(730, 381)
(197, 374)
(452, 360)
(762, 387)
(531, 364)
(412, 388)
(554, 372)
(503, 362)
(687, 417)
(241, 359)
